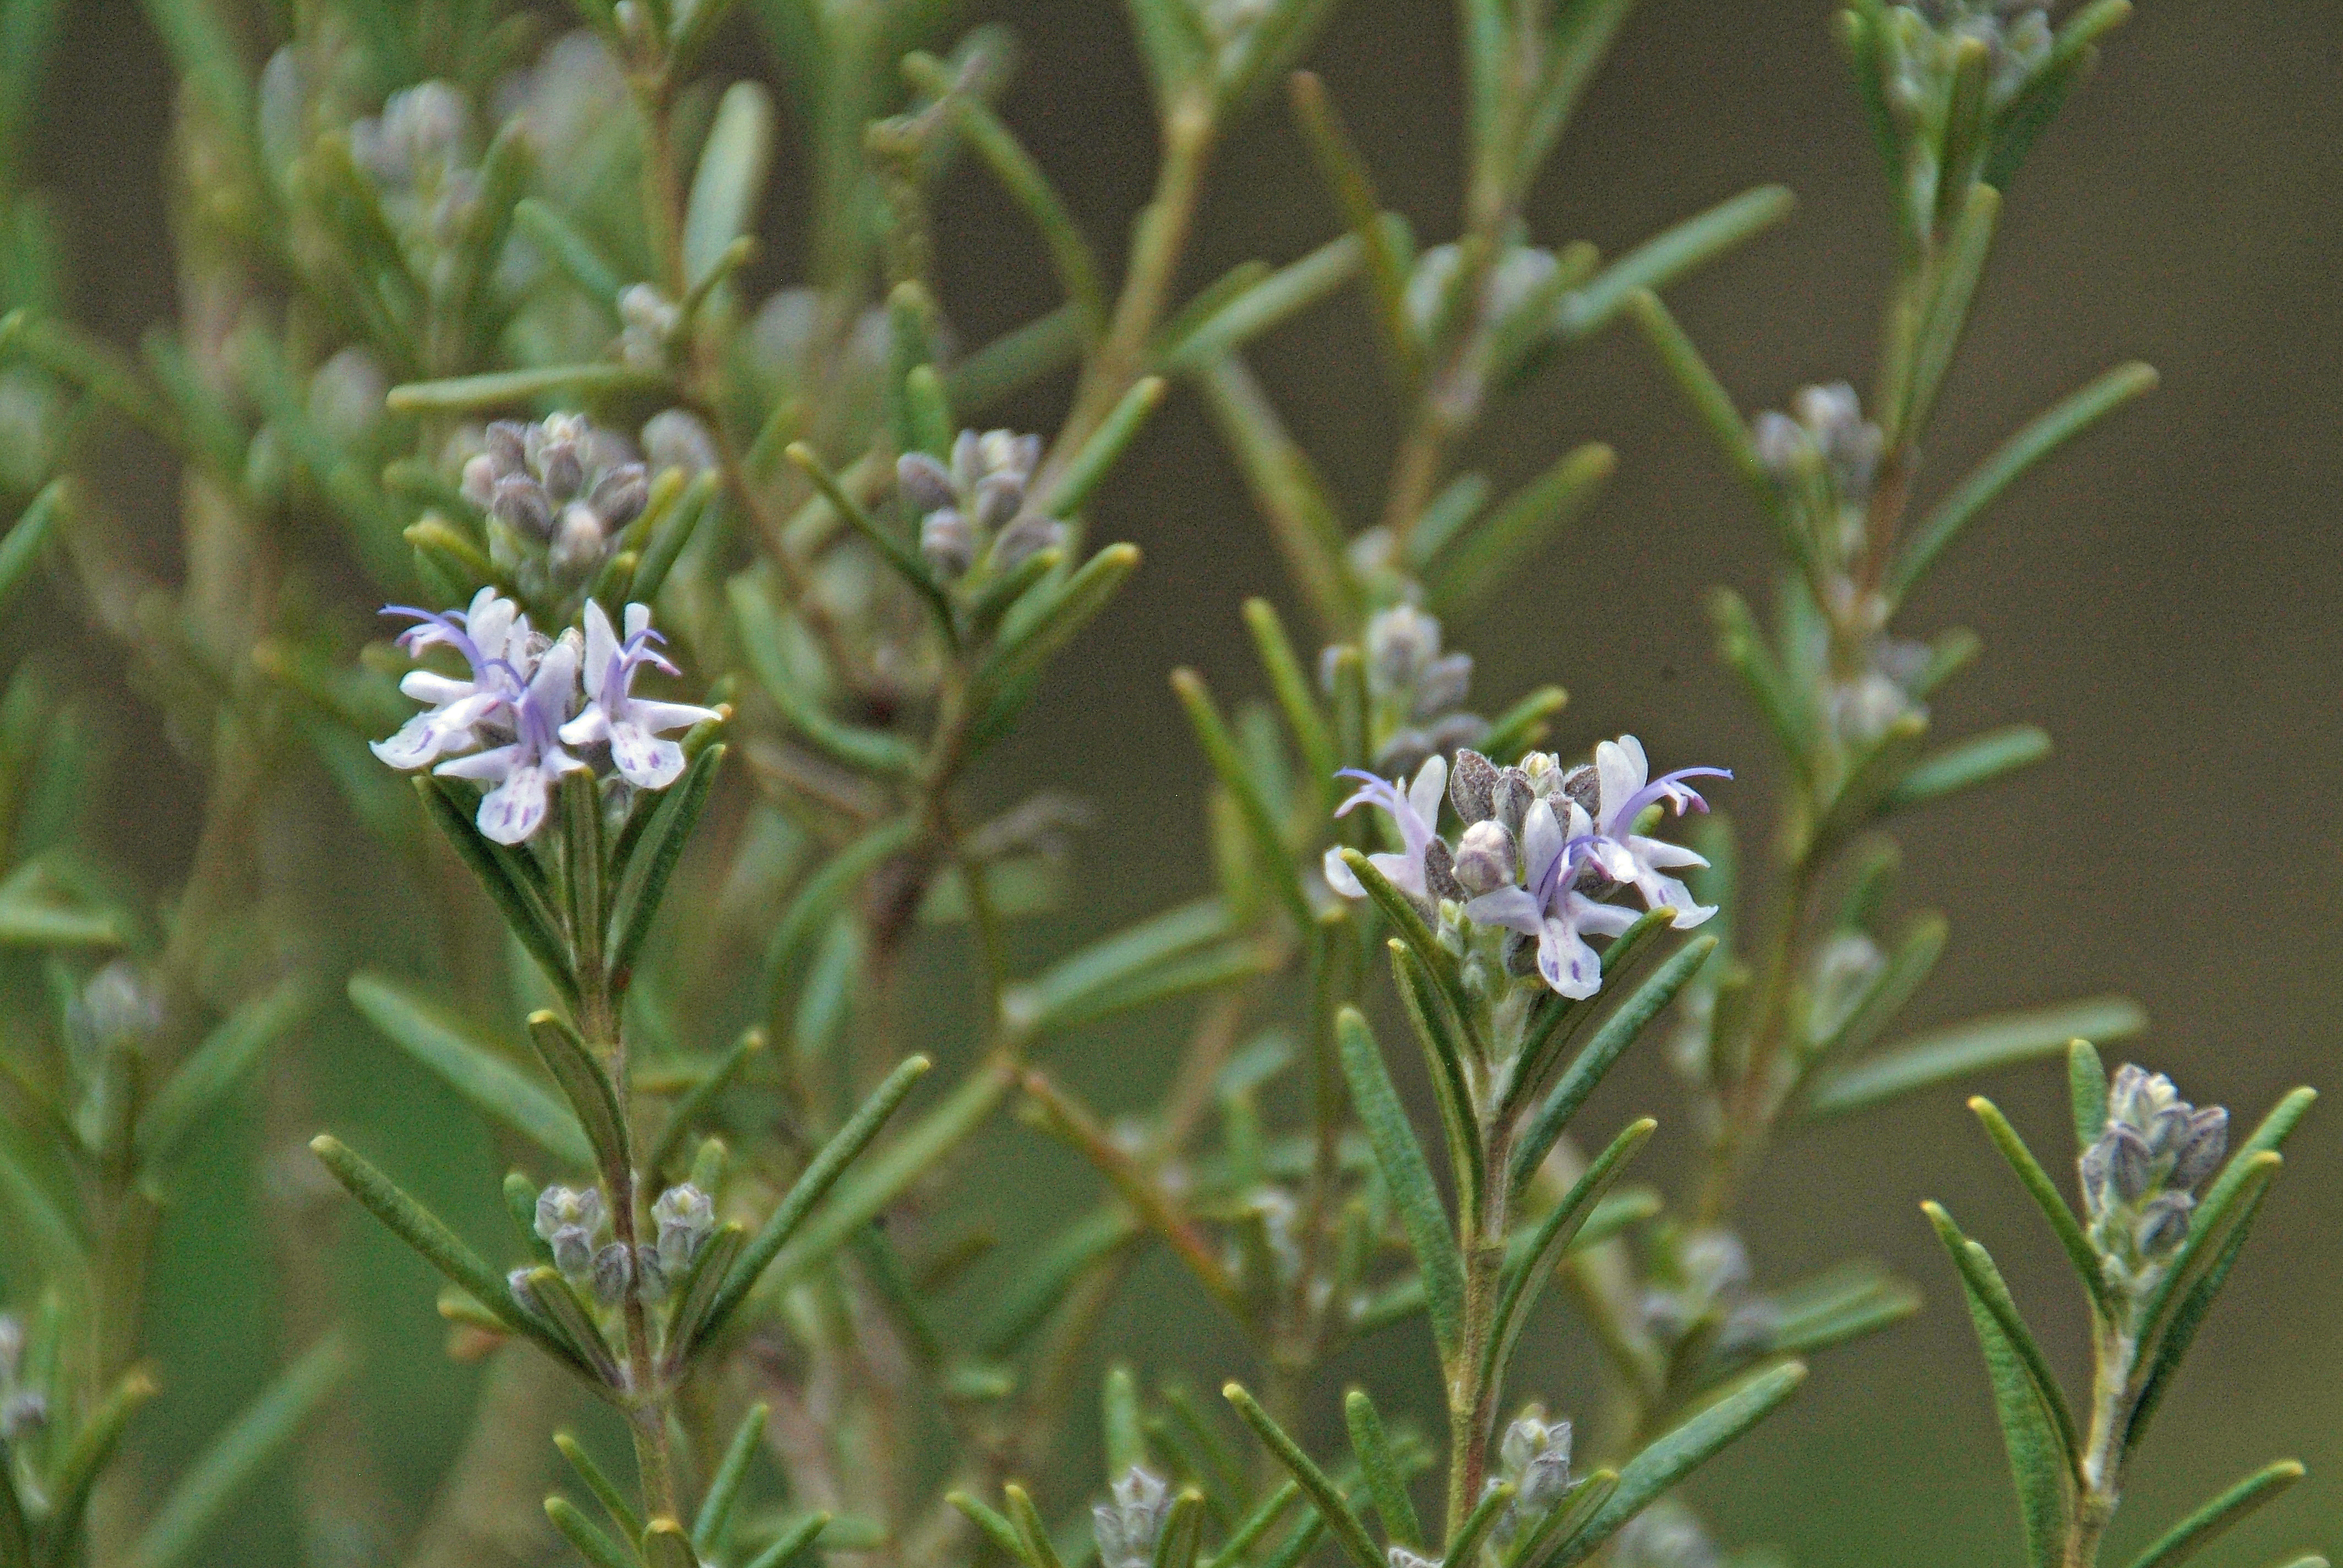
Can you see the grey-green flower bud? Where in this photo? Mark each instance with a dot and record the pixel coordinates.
(948, 541)
(1510, 799)
(925, 485)
(567, 1208)
(2163, 1224)
(614, 1273)
(684, 1217)
(1128, 1528)
(1472, 785)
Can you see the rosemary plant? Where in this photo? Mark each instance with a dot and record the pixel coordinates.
(703, 612)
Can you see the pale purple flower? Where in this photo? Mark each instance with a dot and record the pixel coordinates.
(524, 771)
(631, 725)
(494, 638)
(1415, 810)
(1551, 908)
(1627, 791)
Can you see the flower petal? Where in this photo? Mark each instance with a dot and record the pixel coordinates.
(1567, 963)
(512, 812)
(643, 759)
(1511, 908)
(1339, 876)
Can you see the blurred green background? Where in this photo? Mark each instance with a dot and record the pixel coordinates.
(2163, 599)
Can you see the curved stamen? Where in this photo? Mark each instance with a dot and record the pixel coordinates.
(450, 627)
(1668, 788)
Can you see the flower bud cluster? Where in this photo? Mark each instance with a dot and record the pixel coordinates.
(575, 1224)
(556, 494)
(23, 1409)
(1924, 42)
(1533, 1455)
(1128, 1527)
(1415, 692)
(1705, 1290)
(2143, 1172)
(418, 152)
(1825, 460)
(978, 509)
(1542, 848)
(526, 698)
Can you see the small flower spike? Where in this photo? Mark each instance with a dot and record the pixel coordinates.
(524, 771)
(629, 724)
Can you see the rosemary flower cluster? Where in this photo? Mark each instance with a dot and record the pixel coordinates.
(2142, 1175)
(976, 511)
(556, 493)
(1542, 850)
(525, 701)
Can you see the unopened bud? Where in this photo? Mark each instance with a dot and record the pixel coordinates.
(2164, 1224)
(926, 486)
(684, 1216)
(948, 542)
(1510, 799)
(1484, 857)
(2202, 1147)
(1440, 872)
(580, 545)
(1472, 785)
(1443, 684)
(1128, 1528)
(614, 1273)
(619, 495)
(520, 503)
(1028, 536)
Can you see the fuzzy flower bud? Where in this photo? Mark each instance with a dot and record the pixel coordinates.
(1484, 858)
(1128, 1528)
(684, 1216)
(568, 1220)
(614, 1273)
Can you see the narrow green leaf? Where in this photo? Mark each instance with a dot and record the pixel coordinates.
(1979, 1045)
(667, 1544)
(2172, 1346)
(1333, 1508)
(1669, 255)
(896, 553)
(692, 1110)
(201, 1084)
(1908, 966)
(650, 863)
(585, 1079)
(1385, 1483)
(49, 1213)
(695, 1298)
(1295, 700)
(1842, 1304)
(2045, 1193)
(1279, 297)
(1743, 649)
(993, 1525)
(593, 1542)
(1022, 177)
(1713, 406)
(35, 527)
(724, 1490)
(236, 1458)
(1564, 1523)
(1445, 516)
(471, 1066)
(423, 1231)
(597, 1482)
(1520, 728)
(1960, 267)
(2200, 1529)
(1030, 641)
(1088, 468)
(2231, 1199)
(1273, 861)
(1182, 1532)
(1465, 1545)
(728, 183)
(1021, 1306)
(866, 750)
(1408, 923)
(1972, 762)
(1172, 43)
(1015, 360)
(1287, 486)
(2087, 1087)
(827, 890)
(1353, 190)
(1409, 1176)
(813, 1184)
(2044, 435)
(1676, 1455)
(85, 1459)
(802, 1534)
(1580, 36)
(514, 882)
(502, 388)
(1238, 1547)
(2039, 1460)
(1445, 1054)
(569, 249)
(1521, 1282)
(1493, 552)
(1586, 1070)
(1030, 1529)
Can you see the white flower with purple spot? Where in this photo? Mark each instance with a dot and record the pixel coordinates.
(494, 638)
(1415, 810)
(524, 771)
(632, 725)
(1627, 790)
(1550, 906)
